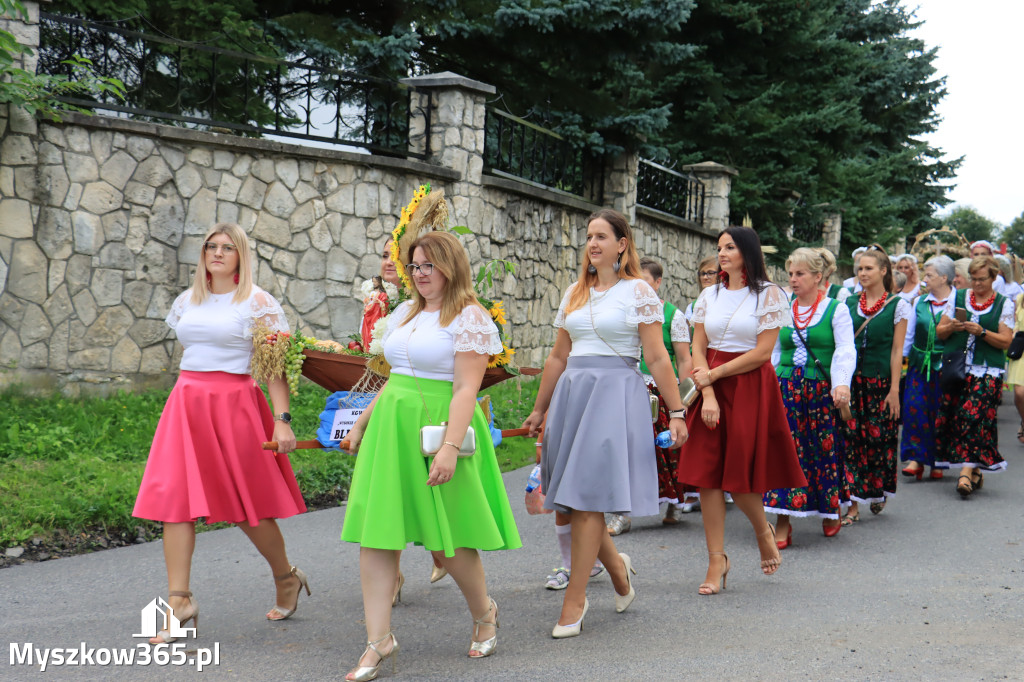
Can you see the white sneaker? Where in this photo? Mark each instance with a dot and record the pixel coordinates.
(558, 581)
(728, 498)
(691, 505)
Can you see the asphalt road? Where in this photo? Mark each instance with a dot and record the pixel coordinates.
(931, 589)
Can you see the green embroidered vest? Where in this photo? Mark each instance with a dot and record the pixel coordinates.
(984, 354)
(874, 344)
(666, 333)
(819, 337)
(926, 353)
(833, 291)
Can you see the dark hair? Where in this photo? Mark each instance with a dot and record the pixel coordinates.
(749, 246)
(882, 258)
(652, 266)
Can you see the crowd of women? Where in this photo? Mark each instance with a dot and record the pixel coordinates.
(790, 404)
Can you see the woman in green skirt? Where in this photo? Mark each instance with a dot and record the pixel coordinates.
(437, 344)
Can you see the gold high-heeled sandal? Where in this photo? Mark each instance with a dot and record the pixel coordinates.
(399, 583)
(709, 588)
(769, 566)
(284, 613)
(486, 647)
(164, 636)
(437, 572)
(365, 673)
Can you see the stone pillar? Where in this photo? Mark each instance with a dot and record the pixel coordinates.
(620, 184)
(717, 181)
(832, 230)
(456, 108)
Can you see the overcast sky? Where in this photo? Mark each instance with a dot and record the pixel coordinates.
(980, 54)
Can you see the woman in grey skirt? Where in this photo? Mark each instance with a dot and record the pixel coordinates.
(598, 453)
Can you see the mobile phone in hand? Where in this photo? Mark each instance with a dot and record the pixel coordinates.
(960, 314)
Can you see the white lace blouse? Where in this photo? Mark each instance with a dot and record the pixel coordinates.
(217, 334)
(679, 332)
(431, 347)
(844, 359)
(617, 312)
(733, 319)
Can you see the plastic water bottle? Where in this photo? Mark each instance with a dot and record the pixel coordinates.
(664, 439)
(534, 481)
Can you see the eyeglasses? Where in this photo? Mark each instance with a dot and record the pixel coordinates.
(426, 269)
(228, 249)
(707, 273)
(980, 280)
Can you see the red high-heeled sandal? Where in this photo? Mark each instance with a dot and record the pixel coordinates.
(918, 472)
(786, 541)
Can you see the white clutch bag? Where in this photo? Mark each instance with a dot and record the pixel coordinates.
(432, 438)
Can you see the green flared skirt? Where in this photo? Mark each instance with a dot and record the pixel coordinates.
(390, 503)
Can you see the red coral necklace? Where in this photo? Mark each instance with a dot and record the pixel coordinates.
(800, 321)
(982, 306)
(865, 310)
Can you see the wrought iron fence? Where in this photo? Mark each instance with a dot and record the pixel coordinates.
(524, 150)
(173, 81)
(670, 191)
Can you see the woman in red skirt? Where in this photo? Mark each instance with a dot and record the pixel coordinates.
(739, 437)
(207, 458)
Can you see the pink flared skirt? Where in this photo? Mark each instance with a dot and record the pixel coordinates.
(207, 458)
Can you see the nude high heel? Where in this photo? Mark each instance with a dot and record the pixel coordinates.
(486, 647)
(284, 613)
(399, 583)
(574, 629)
(769, 566)
(164, 636)
(709, 588)
(622, 601)
(365, 673)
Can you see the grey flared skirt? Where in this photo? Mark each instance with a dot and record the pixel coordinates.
(598, 452)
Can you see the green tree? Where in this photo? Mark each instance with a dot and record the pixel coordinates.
(1013, 235)
(970, 223)
(39, 94)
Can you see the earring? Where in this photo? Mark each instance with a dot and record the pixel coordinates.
(591, 269)
(616, 265)
(236, 278)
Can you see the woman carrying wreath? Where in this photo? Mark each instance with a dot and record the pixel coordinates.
(740, 439)
(966, 425)
(923, 348)
(438, 345)
(207, 458)
(880, 325)
(814, 360)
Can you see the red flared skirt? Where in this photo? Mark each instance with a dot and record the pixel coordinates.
(751, 450)
(207, 458)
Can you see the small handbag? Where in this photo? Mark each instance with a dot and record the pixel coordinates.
(1016, 349)
(954, 370)
(431, 436)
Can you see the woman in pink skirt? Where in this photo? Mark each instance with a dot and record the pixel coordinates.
(207, 458)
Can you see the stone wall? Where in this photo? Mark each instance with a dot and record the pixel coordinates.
(101, 223)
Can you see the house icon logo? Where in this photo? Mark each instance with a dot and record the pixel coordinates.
(160, 608)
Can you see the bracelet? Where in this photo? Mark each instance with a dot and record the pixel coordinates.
(677, 414)
(448, 442)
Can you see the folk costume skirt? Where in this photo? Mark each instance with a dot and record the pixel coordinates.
(598, 452)
(389, 501)
(751, 450)
(966, 425)
(920, 410)
(815, 423)
(670, 490)
(871, 439)
(207, 458)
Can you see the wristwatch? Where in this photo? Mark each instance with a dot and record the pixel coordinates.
(677, 414)
(283, 417)
(983, 332)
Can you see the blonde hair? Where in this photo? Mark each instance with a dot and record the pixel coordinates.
(983, 262)
(811, 258)
(200, 288)
(829, 260)
(629, 260)
(450, 259)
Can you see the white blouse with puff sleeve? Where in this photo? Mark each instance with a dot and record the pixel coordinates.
(217, 334)
(750, 314)
(617, 312)
(432, 348)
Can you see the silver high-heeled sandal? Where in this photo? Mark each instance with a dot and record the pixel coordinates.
(574, 629)
(283, 612)
(399, 584)
(164, 636)
(486, 647)
(365, 673)
(622, 601)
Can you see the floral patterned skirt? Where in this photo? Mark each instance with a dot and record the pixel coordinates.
(871, 438)
(814, 422)
(966, 426)
(920, 410)
(669, 488)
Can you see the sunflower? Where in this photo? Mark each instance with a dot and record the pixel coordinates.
(503, 358)
(497, 312)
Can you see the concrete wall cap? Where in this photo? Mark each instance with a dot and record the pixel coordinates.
(710, 167)
(447, 79)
